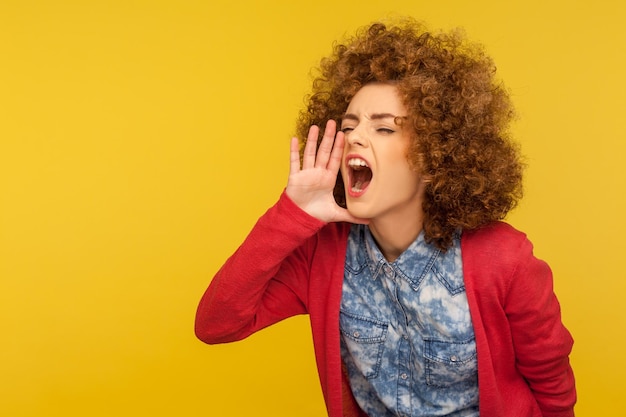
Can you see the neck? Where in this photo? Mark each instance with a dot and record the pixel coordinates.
(394, 236)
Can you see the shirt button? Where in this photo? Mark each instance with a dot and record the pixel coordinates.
(405, 337)
(453, 358)
(356, 334)
(404, 376)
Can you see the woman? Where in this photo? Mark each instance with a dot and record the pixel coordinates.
(388, 234)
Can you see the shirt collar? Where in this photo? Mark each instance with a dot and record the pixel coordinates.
(412, 264)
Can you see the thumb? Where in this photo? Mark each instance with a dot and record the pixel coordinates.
(343, 215)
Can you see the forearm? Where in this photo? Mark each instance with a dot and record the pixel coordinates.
(542, 342)
(264, 281)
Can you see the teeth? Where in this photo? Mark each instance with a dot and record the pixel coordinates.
(357, 162)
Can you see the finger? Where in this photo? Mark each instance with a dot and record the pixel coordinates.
(335, 157)
(326, 146)
(294, 157)
(308, 158)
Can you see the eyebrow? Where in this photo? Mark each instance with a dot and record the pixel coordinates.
(374, 116)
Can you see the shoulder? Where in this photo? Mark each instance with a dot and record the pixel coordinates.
(495, 238)
(497, 250)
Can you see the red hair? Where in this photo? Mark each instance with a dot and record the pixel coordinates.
(459, 116)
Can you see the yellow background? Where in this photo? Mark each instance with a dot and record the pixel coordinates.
(140, 140)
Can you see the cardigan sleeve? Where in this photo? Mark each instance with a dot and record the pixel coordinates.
(542, 343)
(264, 281)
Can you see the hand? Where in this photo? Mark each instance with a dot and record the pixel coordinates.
(311, 186)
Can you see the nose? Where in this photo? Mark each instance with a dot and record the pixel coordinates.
(356, 137)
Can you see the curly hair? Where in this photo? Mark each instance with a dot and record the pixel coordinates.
(458, 113)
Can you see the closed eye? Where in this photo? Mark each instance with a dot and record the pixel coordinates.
(385, 130)
(347, 129)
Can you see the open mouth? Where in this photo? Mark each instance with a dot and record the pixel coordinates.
(360, 175)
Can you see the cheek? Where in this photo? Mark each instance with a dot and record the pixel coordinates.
(398, 160)
(402, 177)
(399, 152)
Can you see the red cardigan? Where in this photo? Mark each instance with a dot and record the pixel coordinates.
(292, 263)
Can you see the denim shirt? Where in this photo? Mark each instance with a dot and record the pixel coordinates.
(406, 334)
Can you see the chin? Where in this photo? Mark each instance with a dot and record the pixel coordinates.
(360, 212)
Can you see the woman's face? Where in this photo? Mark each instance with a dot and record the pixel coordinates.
(378, 179)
